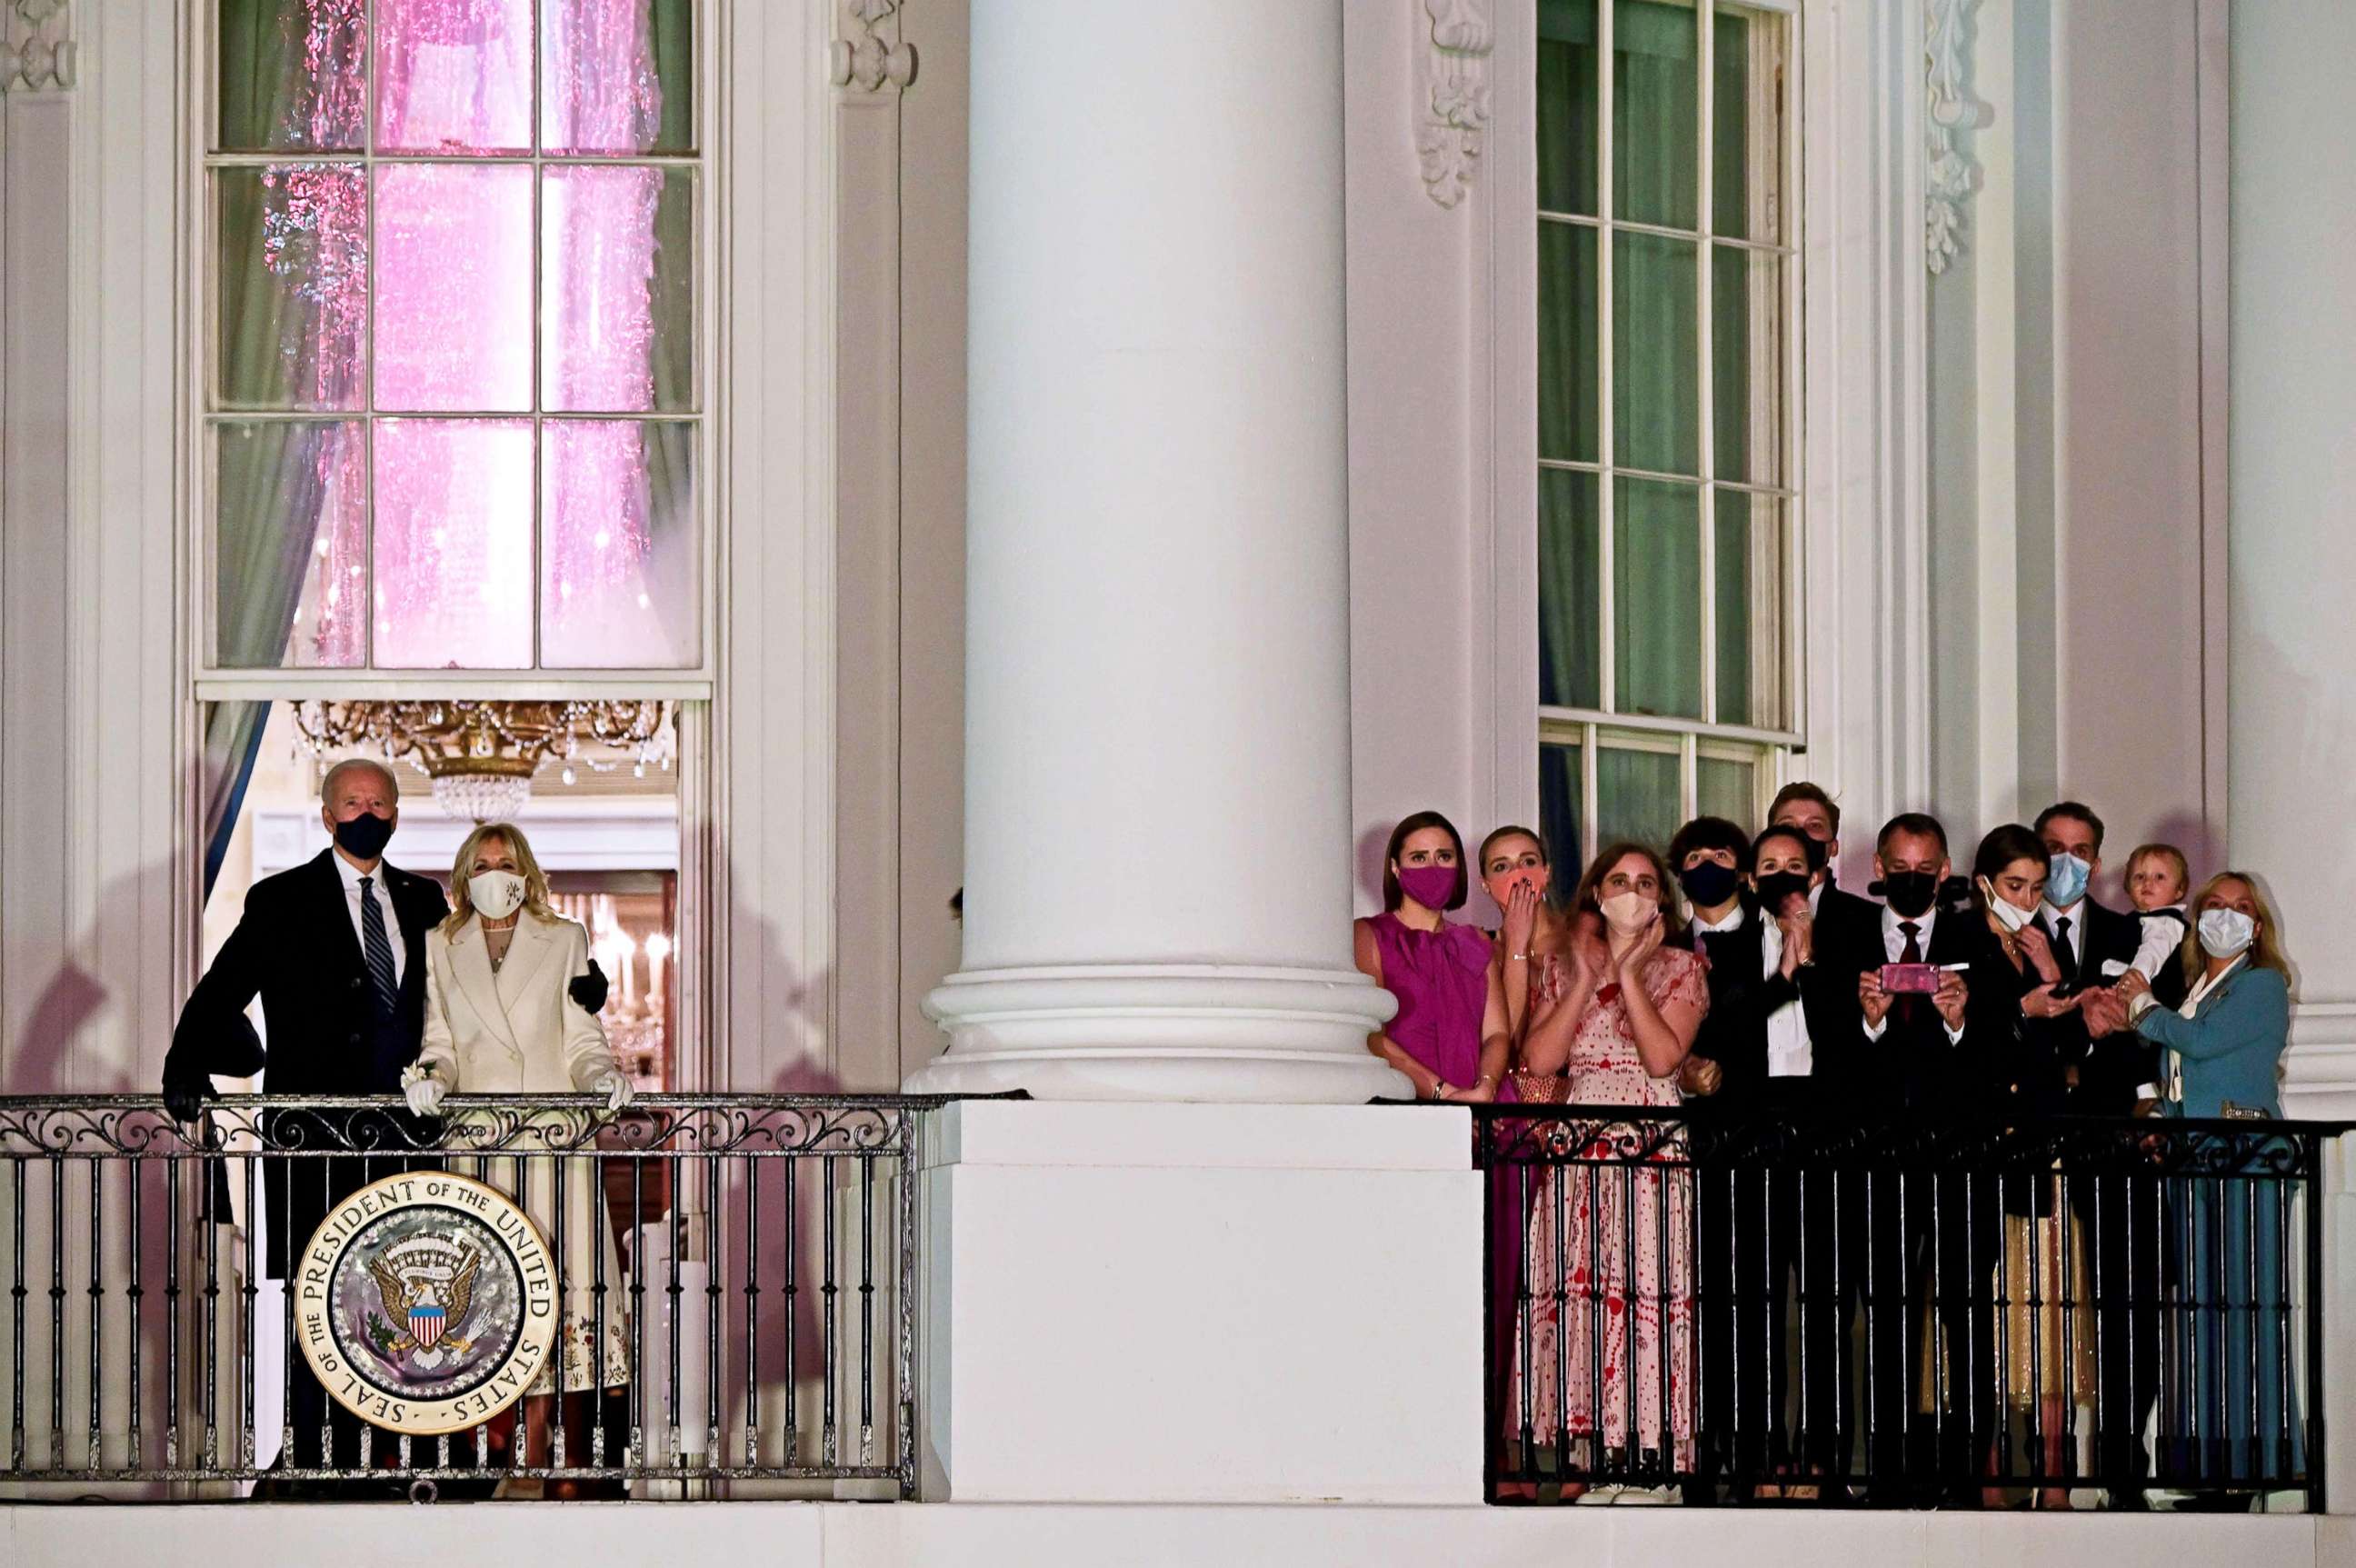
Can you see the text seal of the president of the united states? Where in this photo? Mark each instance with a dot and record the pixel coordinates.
(426, 1303)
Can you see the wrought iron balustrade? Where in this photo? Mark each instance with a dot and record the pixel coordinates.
(752, 1319)
(1732, 1309)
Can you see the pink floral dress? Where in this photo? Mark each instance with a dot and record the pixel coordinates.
(1609, 1343)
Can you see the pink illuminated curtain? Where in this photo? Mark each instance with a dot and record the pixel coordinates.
(409, 290)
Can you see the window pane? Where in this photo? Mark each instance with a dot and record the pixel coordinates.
(1656, 114)
(1569, 394)
(453, 544)
(291, 76)
(1570, 589)
(290, 545)
(1746, 371)
(1558, 819)
(1656, 598)
(1568, 115)
(1636, 797)
(619, 76)
(292, 276)
(453, 78)
(617, 290)
(618, 558)
(1747, 127)
(1655, 354)
(454, 287)
(1748, 596)
(1725, 788)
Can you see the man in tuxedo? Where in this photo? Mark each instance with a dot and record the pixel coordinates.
(1845, 923)
(2110, 1063)
(1912, 1061)
(336, 948)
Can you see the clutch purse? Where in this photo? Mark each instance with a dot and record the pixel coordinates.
(2232, 1112)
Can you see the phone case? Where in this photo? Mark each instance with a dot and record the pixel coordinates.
(1900, 977)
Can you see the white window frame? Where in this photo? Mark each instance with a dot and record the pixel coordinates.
(1592, 729)
(213, 681)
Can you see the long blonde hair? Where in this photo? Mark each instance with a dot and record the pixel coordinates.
(535, 881)
(2266, 950)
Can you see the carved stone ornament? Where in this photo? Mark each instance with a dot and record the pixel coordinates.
(36, 48)
(1452, 95)
(1949, 176)
(862, 58)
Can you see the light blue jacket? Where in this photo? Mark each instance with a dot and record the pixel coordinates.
(2232, 1045)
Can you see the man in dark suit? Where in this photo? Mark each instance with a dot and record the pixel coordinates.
(1844, 922)
(336, 948)
(2109, 1063)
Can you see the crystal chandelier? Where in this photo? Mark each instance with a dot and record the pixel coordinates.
(481, 756)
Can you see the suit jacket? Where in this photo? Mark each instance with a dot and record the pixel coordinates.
(2233, 1045)
(294, 947)
(1742, 996)
(515, 1029)
(1913, 1070)
(2109, 1069)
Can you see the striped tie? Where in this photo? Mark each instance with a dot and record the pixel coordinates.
(379, 949)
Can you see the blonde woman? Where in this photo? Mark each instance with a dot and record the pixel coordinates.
(501, 1017)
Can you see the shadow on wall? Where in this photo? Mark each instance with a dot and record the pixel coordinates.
(50, 1053)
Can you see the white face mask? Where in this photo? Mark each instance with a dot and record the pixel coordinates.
(495, 895)
(1627, 912)
(2008, 915)
(2224, 933)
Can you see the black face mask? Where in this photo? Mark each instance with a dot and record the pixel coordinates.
(1775, 890)
(1911, 893)
(1708, 883)
(365, 836)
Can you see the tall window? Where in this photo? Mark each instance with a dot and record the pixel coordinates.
(452, 396)
(1667, 386)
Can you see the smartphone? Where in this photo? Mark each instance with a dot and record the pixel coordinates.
(1898, 979)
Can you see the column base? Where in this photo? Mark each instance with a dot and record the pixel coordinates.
(1198, 1032)
(1140, 1303)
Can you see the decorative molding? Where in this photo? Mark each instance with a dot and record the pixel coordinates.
(1950, 175)
(38, 52)
(862, 58)
(1453, 96)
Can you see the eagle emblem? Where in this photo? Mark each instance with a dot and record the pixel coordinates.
(427, 1284)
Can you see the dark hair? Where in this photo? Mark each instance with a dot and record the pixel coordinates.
(1920, 823)
(1801, 790)
(2075, 810)
(1415, 824)
(1705, 832)
(1807, 846)
(1510, 830)
(2001, 847)
(1584, 901)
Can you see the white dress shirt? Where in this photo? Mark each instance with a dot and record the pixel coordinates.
(1789, 1051)
(2071, 941)
(351, 876)
(1894, 942)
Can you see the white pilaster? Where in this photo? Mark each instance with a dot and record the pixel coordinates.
(1157, 722)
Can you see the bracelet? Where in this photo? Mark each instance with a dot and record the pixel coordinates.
(1519, 956)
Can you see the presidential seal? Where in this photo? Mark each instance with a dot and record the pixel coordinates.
(426, 1303)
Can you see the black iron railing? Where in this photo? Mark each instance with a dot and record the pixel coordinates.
(1729, 1310)
(734, 1294)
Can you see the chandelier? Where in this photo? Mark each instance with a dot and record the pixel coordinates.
(481, 756)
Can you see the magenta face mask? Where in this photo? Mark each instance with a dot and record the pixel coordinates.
(1430, 886)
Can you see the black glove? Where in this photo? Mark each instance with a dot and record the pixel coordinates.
(589, 990)
(184, 1096)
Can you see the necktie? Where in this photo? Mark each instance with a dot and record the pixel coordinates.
(1910, 1004)
(376, 948)
(2065, 957)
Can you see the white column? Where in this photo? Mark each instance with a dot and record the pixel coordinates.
(1157, 846)
(2291, 549)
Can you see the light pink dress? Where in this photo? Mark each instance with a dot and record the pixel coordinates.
(1609, 1258)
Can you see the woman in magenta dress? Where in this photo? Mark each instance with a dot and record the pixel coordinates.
(1449, 1036)
(1611, 1329)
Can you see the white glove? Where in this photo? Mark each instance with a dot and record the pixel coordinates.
(615, 1087)
(422, 1091)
